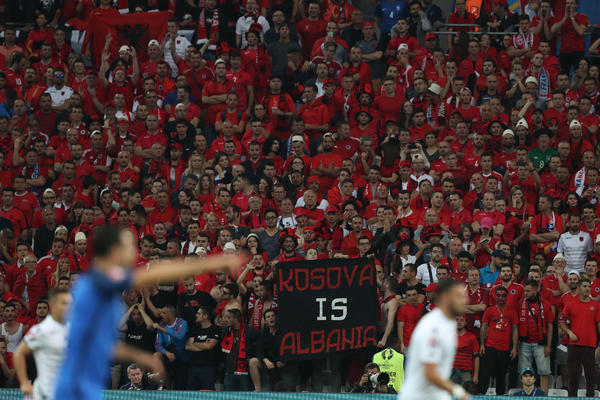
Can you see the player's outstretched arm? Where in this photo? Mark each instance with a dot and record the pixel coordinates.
(19, 359)
(175, 270)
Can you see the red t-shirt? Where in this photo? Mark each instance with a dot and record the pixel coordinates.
(583, 318)
(410, 315)
(570, 40)
(499, 327)
(514, 298)
(466, 347)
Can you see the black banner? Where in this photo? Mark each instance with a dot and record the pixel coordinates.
(326, 307)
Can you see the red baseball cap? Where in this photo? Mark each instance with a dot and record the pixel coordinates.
(368, 23)
(430, 36)
(328, 81)
(405, 163)
(312, 179)
(332, 209)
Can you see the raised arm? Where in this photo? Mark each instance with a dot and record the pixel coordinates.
(172, 271)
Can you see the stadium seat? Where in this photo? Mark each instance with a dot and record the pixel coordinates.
(581, 393)
(558, 393)
(511, 392)
(491, 391)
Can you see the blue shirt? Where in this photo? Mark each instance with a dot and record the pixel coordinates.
(487, 276)
(173, 339)
(97, 309)
(390, 13)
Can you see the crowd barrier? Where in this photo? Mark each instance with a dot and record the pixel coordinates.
(15, 394)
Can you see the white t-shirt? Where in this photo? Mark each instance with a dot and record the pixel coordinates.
(575, 248)
(423, 274)
(433, 341)
(48, 341)
(59, 96)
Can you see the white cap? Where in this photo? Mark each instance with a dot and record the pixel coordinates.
(508, 132)
(220, 61)
(80, 236)
(523, 122)
(574, 123)
(153, 42)
(559, 256)
(125, 48)
(201, 250)
(179, 105)
(49, 190)
(531, 79)
(298, 138)
(403, 46)
(435, 88)
(229, 246)
(60, 228)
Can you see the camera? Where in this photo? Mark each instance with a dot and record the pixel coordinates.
(379, 379)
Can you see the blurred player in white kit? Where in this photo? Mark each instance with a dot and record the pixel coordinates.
(432, 348)
(48, 342)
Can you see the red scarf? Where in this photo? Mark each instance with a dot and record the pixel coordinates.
(241, 363)
(257, 312)
(254, 15)
(538, 316)
(214, 27)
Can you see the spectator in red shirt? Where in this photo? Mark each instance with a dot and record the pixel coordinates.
(326, 165)
(498, 331)
(571, 28)
(466, 360)
(408, 317)
(214, 96)
(311, 28)
(583, 316)
(30, 284)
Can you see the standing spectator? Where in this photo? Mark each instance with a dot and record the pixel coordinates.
(311, 28)
(426, 273)
(478, 298)
(170, 345)
(235, 345)
(267, 353)
(202, 342)
(387, 13)
(571, 29)
(466, 360)
(499, 340)
(247, 20)
(31, 284)
(11, 329)
(546, 227)
(418, 23)
(173, 42)
(408, 317)
(576, 245)
(583, 316)
(535, 332)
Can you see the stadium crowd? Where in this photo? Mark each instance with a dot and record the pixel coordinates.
(304, 130)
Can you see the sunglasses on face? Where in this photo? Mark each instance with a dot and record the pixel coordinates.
(59, 75)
